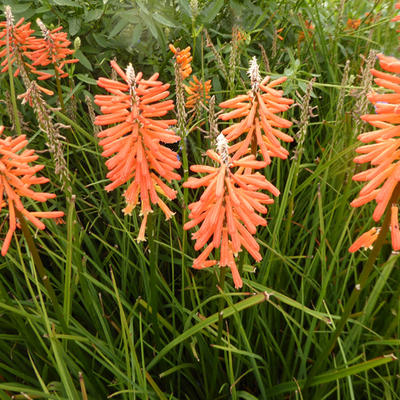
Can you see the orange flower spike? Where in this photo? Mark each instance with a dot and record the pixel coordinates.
(135, 143)
(20, 44)
(397, 17)
(389, 63)
(16, 177)
(51, 49)
(258, 109)
(183, 58)
(365, 240)
(20, 40)
(227, 209)
(277, 32)
(309, 28)
(353, 23)
(197, 92)
(382, 150)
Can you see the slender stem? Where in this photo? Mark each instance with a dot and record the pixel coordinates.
(12, 87)
(221, 303)
(154, 301)
(194, 35)
(181, 129)
(40, 268)
(362, 280)
(82, 385)
(184, 216)
(254, 146)
(59, 90)
(68, 263)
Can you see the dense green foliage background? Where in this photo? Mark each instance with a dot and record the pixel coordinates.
(139, 322)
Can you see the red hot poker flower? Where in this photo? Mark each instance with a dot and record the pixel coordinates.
(19, 44)
(366, 240)
(309, 30)
(183, 58)
(16, 177)
(257, 110)
(51, 49)
(19, 40)
(227, 211)
(197, 91)
(277, 32)
(382, 148)
(134, 143)
(397, 17)
(353, 23)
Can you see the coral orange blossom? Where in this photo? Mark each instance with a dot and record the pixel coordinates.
(197, 91)
(183, 58)
(382, 150)
(19, 43)
(51, 49)
(302, 34)
(353, 23)
(397, 17)
(16, 177)
(257, 110)
(20, 40)
(135, 142)
(227, 209)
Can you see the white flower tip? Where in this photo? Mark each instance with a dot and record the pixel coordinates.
(223, 147)
(130, 74)
(254, 73)
(222, 143)
(42, 26)
(9, 15)
(194, 5)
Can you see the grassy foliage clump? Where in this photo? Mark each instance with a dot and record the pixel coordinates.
(90, 312)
